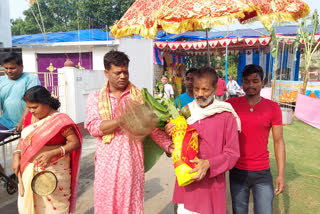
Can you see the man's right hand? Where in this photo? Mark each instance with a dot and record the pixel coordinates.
(19, 126)
(169, 128)
(16, 164)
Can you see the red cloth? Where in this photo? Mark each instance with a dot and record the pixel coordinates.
(218, 143)
(255, 128)
(27, 120)
(221, 87)
(56, 140)
(188, 151)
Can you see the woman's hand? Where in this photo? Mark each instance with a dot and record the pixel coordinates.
(16, 163)
(44, 159)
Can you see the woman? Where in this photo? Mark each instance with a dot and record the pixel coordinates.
(49, 141)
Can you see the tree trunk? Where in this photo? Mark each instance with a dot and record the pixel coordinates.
(275, 65)
(305, 81)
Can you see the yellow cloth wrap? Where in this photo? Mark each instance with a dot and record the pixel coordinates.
(181, 168)
(105, 106)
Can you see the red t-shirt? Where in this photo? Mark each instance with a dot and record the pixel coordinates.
(255, 129)
(221, 87)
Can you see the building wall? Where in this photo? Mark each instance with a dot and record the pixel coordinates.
(5, 35)
(30, 61)
(76, 84)
(74, 88)
(140, 53)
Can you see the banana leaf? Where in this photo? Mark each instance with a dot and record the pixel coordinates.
(152, 153)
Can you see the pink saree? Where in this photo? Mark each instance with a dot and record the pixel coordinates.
(39, 134)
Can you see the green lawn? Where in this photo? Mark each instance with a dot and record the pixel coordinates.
(302, 194)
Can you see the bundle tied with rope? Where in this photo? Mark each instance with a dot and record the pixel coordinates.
(136, 120)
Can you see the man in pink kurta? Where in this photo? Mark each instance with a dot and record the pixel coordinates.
(119, 166)
(217, 125)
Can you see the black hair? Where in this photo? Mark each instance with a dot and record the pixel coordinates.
(204, 72)
(39, 94)
(116, 58)
(252, 69)
(12, 57)
(191, 70)
(163, 75)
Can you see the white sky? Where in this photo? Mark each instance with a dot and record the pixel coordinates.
(18, 6)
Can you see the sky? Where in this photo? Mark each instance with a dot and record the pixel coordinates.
(18, 6)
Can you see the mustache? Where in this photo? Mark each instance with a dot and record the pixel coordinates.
(251, 88)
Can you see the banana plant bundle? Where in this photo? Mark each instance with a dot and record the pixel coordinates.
(184, 136)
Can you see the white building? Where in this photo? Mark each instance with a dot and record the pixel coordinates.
(5, 35)
(72, 85)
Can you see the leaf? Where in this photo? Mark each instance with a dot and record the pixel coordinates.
(274, 52)
(152, 153)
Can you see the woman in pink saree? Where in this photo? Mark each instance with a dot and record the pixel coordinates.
(49, 141)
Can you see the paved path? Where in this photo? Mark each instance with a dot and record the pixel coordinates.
(159, 183)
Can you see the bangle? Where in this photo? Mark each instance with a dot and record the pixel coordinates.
(17, 151)
(62, 150)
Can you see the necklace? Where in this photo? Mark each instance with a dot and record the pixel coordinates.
(251, 106)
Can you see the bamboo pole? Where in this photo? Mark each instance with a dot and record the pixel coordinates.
(208, 49)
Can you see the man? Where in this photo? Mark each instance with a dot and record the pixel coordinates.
(186, 97)
(220, 94)
(12, 88)
(252, 171)
(218, 150)
(168, 90)
(232, 87)
(119, 167)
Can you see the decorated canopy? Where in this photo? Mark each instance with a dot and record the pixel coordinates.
(194, 43)
(147, 17)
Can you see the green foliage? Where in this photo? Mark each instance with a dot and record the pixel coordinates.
(308, 40)
(66, 15)
(216, 62)
(233, 70)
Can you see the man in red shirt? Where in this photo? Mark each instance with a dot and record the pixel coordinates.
(222, 88)
(252, 171)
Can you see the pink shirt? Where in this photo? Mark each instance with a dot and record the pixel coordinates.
(218, 143)
(119, 166)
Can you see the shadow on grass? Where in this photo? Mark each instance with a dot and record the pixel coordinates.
(291, 174)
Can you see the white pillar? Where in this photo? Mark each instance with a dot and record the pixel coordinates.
(69, 100)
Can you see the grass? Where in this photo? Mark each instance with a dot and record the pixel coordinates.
(302, 193)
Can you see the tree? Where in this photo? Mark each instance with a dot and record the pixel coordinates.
(274, 53)
(67, 15)
(308, 40)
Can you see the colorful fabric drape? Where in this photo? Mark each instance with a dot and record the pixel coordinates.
(35, 137)
(146, 18)
(105, 107)
(185, 139)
